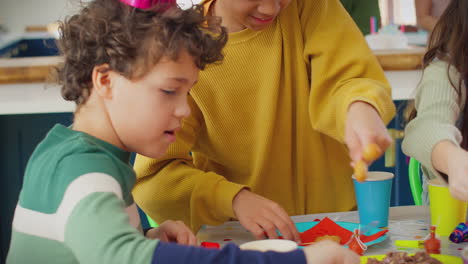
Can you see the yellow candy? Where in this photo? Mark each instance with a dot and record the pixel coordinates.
(371, 152)
(360, 171)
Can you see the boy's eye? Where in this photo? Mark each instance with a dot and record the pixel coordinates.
(168, 91)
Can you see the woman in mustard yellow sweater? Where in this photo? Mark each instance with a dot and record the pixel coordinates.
(275, 126)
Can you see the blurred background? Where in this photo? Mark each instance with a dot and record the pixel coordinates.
(15, 15)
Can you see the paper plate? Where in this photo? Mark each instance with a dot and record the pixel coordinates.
(301, 227)
(446, 259)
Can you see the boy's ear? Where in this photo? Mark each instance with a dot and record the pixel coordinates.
(101, 81)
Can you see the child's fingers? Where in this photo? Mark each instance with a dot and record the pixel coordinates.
(351, 257)
(185, 235)
(183, 238)
(193, 240)
(458, 191)
(164, 237)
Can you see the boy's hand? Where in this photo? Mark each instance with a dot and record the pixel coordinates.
(364, 127)
(262, 216)
(329, 252)
(173, 231)
(458, 174)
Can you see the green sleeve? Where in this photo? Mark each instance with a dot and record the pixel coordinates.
(361, 11)
(98, 231)
(438, 110)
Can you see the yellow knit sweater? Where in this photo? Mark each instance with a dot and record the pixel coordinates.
(270, 117)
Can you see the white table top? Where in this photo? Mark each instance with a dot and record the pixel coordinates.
(405, 223)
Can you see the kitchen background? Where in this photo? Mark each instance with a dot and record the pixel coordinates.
(23, 124)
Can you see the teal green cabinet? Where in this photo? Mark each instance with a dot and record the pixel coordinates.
(19, 135)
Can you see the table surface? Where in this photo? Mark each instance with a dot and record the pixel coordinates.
(405, 223)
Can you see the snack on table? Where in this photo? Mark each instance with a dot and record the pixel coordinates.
(403, 258)
(336, 239)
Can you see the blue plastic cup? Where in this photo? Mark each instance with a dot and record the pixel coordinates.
(373, 197)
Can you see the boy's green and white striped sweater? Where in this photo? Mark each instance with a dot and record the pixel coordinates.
(71, 207)
(72, 210)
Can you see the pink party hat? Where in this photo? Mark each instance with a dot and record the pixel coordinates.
(144, 4)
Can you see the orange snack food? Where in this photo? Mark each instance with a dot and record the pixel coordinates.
(371, 152)
(360, 171)
(336, 239)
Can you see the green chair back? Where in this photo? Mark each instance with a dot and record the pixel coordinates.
(415, 181)
(151, 222)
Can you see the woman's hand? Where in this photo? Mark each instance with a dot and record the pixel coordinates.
(364, 127)
(262, 216)
(458, 174)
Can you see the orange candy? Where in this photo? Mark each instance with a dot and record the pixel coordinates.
(360, 171)
(371, 152)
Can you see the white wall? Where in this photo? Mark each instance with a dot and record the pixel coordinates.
(16, 14)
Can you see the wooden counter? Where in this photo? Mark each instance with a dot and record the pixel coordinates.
(401, 60)
(27, 70)
(37, 69)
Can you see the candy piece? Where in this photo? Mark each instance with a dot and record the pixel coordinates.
(371, 152)
(336, 239)
(360, 171)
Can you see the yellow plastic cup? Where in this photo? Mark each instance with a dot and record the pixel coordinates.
(446, 211)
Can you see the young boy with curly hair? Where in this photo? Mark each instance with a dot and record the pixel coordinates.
(129, 70)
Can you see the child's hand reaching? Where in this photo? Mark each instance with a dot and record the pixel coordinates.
(328, 252)
(364, 127)
(173, 231)
(453, 161)
(458, 174)
(262, 216)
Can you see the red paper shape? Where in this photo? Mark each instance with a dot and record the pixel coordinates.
(326, 227)
(372, 237)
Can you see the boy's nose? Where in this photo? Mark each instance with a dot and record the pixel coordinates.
(269, 7)
(183, 109)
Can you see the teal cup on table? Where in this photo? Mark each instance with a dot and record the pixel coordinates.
(373, 197)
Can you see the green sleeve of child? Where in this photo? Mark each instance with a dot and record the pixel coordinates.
(438, 110)
(98, 231)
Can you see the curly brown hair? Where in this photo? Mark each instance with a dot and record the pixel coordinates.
(131, 41)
